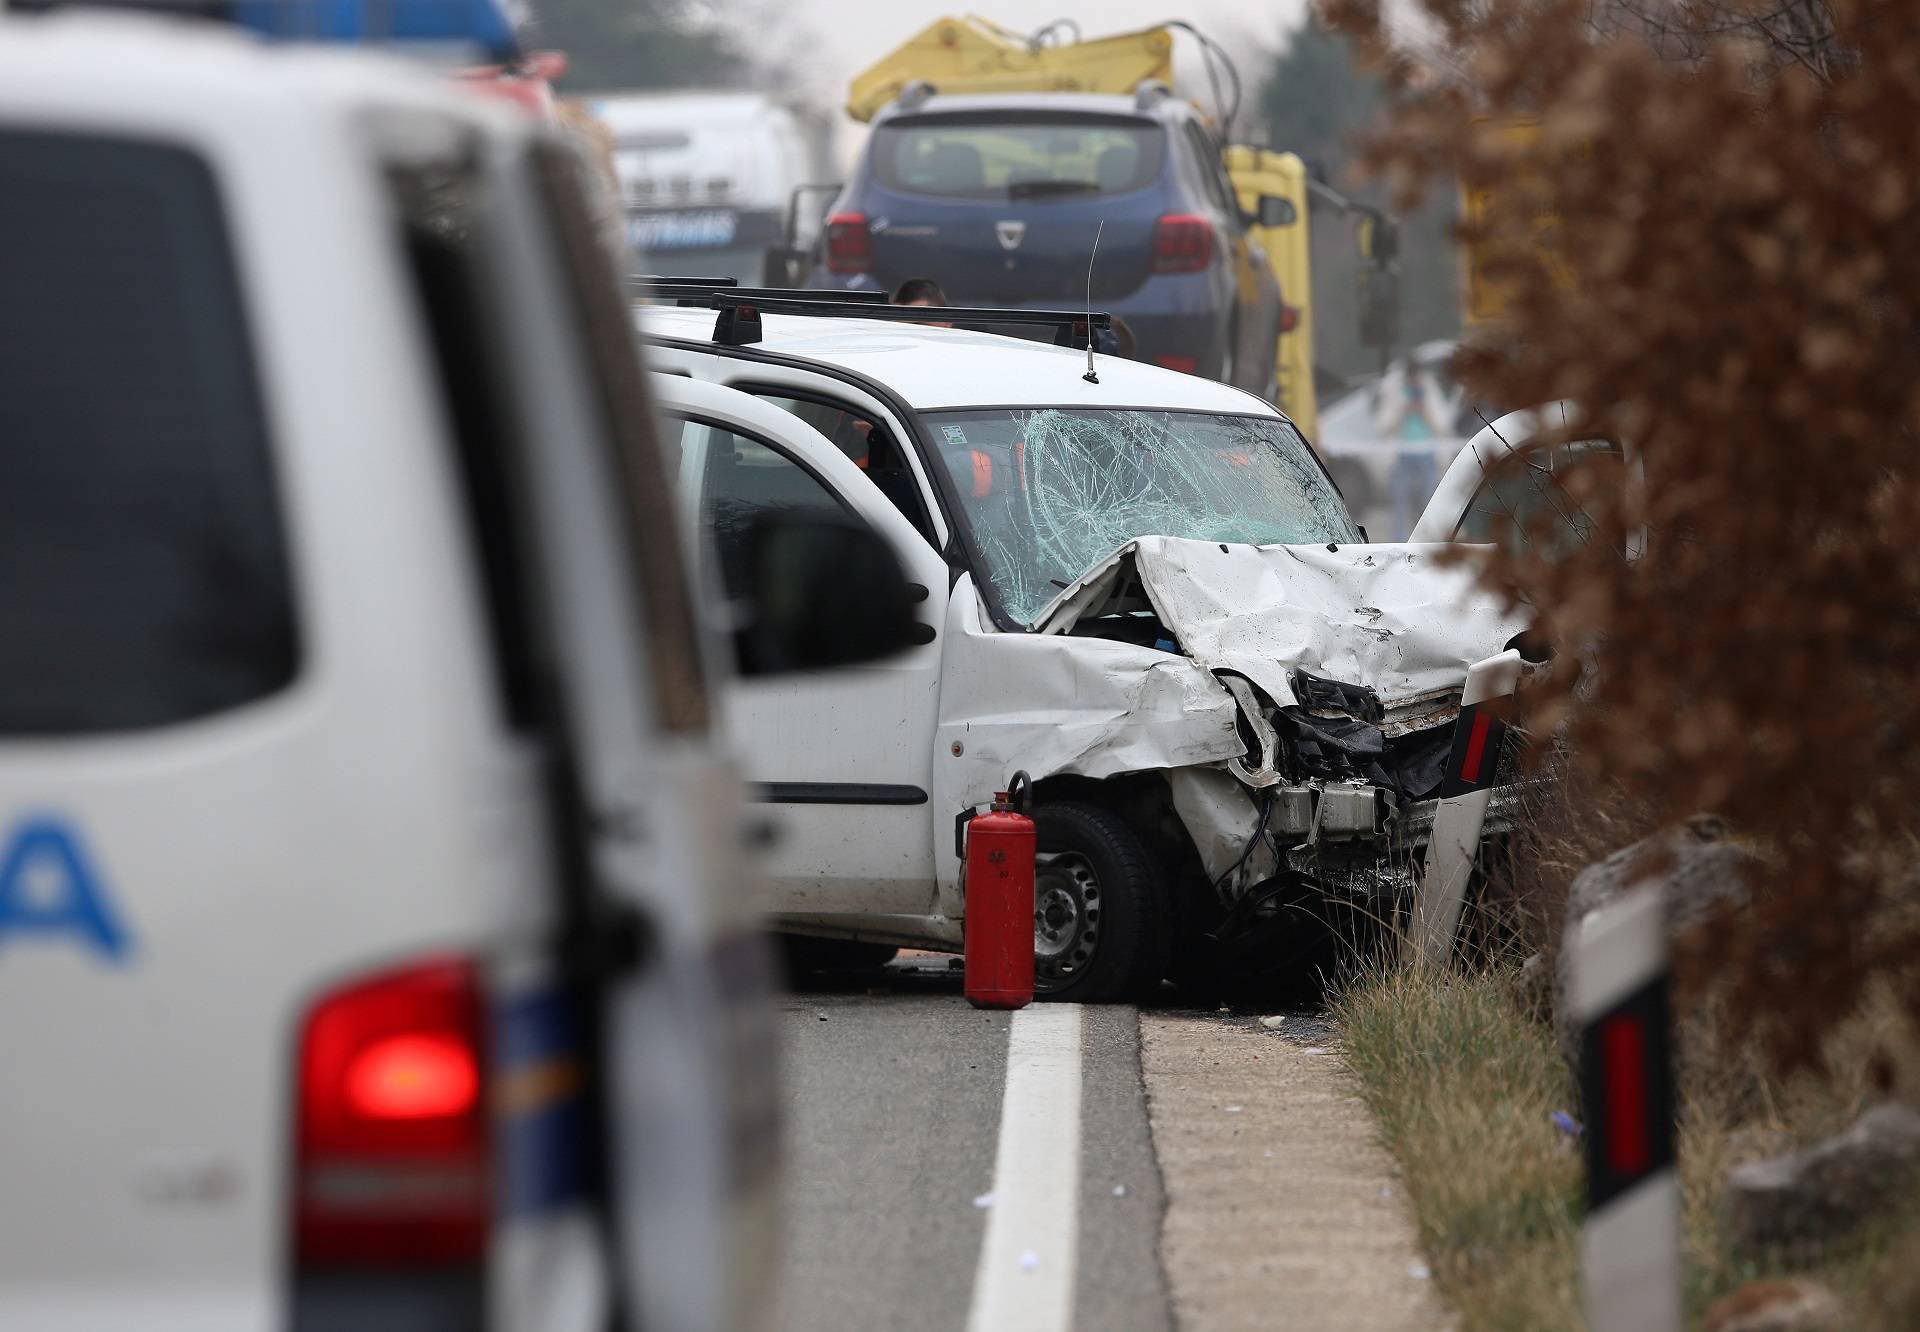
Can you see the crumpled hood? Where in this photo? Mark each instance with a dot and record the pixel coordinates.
(1389, 616)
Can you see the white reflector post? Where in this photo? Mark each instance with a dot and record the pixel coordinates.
(1472, 766)
(1630, 1247)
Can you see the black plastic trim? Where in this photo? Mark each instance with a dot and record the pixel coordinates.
(831, 306)
(838, 793)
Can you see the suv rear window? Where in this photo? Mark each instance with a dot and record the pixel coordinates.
(1029, 156)
(145, 575)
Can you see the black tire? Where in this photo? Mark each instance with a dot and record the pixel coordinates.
(804, 955)
(1102, 923)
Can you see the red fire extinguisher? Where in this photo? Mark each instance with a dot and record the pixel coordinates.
(999, 905)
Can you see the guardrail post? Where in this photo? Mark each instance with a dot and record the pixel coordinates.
(1630, 1245)
(1454, 843)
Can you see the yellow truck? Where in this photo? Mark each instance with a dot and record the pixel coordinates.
(973, 55)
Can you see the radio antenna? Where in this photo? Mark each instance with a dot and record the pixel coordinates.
(1091, 377)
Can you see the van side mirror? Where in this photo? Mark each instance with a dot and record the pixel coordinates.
(824, 591)
(1274, 210)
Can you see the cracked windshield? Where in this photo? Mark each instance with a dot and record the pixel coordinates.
(1052, 491)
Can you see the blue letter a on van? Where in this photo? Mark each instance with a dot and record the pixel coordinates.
(48, 886)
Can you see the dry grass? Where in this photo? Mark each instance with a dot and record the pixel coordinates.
(1462, 1081)
(1462, 1086)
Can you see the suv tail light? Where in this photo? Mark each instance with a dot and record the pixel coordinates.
(393, 1149)
(849, 243)
(1182, 243)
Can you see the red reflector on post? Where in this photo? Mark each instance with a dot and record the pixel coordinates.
(1476, 748)
(393, 1164)
(1623, 1045)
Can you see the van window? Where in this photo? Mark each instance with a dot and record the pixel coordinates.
(1206, 159)
(1017, 156)
(438, 203)
(646, 481)
(743, 480)
(144, 574)
(870, 445)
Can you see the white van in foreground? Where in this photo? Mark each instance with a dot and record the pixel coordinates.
(370, 928)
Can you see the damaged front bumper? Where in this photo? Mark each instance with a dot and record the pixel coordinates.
(1438, 781)
(1250, 703)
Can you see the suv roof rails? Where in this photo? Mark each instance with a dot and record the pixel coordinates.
(740, 310)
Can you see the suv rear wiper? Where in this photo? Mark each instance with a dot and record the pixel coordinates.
(1028, 189)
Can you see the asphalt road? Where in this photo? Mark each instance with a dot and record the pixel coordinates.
(893, 1100)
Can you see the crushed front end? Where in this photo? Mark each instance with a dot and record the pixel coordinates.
(1365, 682)
(1327, 828)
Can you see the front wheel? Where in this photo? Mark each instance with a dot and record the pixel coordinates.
(1101, 927)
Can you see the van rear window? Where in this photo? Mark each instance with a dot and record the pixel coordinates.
(143, 567)
(1029, 156)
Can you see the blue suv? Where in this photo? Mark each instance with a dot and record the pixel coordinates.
(998, 197)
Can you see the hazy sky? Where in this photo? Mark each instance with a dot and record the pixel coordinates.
(853, 33)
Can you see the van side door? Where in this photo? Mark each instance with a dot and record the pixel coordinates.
(844, 759)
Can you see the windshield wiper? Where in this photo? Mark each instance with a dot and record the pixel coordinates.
(1030, 189)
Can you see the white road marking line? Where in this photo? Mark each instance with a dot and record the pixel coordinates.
(1025, 1279)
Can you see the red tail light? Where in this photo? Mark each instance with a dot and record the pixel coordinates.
(1186, 365)
(1182, 243)
(393, 1142)
(849, 243)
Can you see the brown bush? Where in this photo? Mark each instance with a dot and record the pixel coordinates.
(1736, 296)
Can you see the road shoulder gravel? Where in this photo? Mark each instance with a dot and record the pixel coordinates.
(1282, 1206)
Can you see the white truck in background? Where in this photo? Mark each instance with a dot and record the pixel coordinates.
(708, 177)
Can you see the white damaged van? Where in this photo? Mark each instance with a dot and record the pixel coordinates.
(1242, 721)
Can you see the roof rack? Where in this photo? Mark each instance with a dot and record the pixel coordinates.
(740, 310)
(665, 280)
(701, 297)
(694, 291)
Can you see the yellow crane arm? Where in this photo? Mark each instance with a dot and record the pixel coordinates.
(972, 55)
